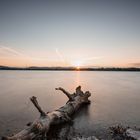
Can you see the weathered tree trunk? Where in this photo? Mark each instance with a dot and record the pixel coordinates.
(63, 114)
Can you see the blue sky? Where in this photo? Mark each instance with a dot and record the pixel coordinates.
(70, 33)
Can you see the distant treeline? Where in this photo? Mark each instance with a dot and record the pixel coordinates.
(70, 68)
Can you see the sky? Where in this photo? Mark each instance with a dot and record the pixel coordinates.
(80, 33)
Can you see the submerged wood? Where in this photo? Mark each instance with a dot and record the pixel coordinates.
(85, 138)
(42, 125)
(122, 133)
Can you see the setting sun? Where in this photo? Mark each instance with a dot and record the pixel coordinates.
(89, 50)
(78, 68)
(77, 64)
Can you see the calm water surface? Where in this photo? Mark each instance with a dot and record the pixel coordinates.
(115, 99)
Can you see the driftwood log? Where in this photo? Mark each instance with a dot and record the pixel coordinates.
(41, 126)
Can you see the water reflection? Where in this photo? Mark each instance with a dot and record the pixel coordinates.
(68, 130)
(77, 79)
(115, 98)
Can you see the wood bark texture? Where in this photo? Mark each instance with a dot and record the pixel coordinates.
(41, 126)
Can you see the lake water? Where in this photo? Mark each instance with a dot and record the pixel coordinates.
(115, 99)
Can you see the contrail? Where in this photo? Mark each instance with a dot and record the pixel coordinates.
(17, 53)
(9, 50)
(13, 51)
(59, 55)
(78, 61)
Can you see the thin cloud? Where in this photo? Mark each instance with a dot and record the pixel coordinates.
(135, 64)
(6, 50)
(59, 55)
(92, 58)
(83, 59)
(9, 52)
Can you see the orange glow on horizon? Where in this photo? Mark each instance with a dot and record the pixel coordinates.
(78, 68)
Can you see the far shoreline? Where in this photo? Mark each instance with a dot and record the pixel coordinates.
(34, 68)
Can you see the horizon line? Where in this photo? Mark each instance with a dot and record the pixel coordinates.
(71, 68)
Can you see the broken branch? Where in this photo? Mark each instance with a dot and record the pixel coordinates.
(42, 125)
(35, 102)
(65, 92)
